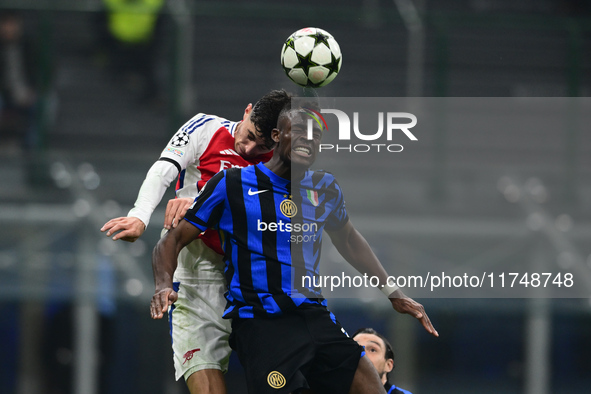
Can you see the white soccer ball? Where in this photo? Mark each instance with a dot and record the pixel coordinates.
(311, 57)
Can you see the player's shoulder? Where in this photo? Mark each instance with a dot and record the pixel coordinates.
(234, 172)
(198, 131)
(243, 171)
(217, 181)
(205, 126)
(319, 174)
(319, 178)
(205, 121)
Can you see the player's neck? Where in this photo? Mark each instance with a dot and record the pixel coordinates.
(284, 169)
(279, 168)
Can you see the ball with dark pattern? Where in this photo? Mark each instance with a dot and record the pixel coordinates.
(311, 57)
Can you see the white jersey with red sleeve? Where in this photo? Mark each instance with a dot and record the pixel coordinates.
(211, 152)
(202, 147)
(187, 147)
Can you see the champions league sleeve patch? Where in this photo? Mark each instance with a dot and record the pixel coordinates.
(180, 139)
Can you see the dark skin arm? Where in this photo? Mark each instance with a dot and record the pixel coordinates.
(355, 249)
(164, 262)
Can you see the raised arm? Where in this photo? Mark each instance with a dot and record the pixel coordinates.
(205, 212)
(129, 228)
(182, 150)
(355, 249)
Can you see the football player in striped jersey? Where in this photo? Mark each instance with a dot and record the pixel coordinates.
(282, 331)
(202, 147)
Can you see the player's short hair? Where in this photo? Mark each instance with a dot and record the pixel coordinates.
(265, 113)
(368, 330)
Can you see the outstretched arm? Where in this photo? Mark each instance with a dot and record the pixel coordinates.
(164, 262)
(355, 249)
(129, 228)
(125, 228)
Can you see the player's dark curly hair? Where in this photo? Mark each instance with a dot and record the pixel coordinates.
(266, 111)
(389, 352)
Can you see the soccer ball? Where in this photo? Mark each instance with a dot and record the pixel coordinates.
(311, 57)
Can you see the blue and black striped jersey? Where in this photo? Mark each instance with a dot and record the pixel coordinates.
(271, 235)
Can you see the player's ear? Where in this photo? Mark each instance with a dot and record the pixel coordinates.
(275, 135)
(247, 111)
(389, 365)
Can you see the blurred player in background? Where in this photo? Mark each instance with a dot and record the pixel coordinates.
(18, 81)
(202, 147)
(130, 32)
(284, 335)
(380, 353)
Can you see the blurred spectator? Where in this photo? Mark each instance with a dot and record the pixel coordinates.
(18, 95)
(129, 33)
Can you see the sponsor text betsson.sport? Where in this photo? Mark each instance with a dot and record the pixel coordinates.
(433, 282)
(304, 232)
(392, 120)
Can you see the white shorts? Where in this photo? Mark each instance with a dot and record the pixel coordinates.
(199, 334)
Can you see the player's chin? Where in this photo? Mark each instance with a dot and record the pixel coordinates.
(242, 153)
(302, 162)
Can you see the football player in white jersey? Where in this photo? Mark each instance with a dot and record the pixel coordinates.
(202, 147)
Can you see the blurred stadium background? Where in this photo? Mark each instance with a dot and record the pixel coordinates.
(74, 305)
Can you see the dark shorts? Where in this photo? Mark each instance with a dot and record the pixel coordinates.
(305, 348)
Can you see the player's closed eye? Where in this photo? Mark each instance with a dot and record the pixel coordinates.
(296, 130)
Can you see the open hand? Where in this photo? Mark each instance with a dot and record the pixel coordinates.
(403, 304)
(127, 228)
